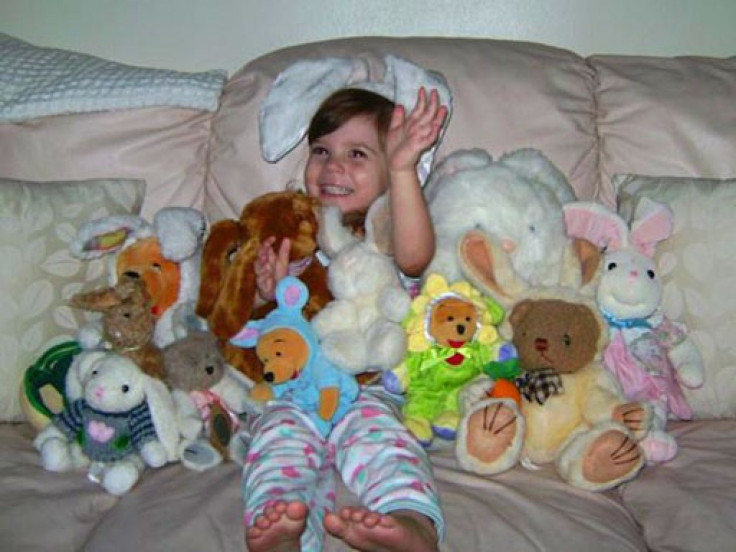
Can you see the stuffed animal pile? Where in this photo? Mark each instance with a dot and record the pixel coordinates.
(164, 255)
(650, 355)
(572, 412)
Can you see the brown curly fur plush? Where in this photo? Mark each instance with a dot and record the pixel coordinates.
(228, 279)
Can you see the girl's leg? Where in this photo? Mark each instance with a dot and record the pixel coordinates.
(382, 463)
(283, 465)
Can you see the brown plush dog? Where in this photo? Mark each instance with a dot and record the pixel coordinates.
(228, 279)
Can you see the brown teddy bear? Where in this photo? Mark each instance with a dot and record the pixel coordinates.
(572, 411)
(228, 280)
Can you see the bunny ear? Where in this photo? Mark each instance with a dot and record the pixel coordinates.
(653, 223)
(163, 414)
(292, 294)
(99, 237)
(596, 223)
(378, 225)
(295, 96)
(298, 91)
(248, 335)
(180, 231)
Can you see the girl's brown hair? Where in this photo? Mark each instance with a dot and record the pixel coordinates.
(347, 103)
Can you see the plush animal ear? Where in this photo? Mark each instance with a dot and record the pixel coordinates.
(106, 235)
(581, 260)
(378, 225)
(219, 248)
(486, 265)
(332, 235)
(596, 223)
(248, 336)
(180, 231)
(653, 223)
(291, 294)
(99, 300)
(163, 414)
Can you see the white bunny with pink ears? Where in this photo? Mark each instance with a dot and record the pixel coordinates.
(648, 353)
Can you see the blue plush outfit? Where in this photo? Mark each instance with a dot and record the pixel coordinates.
(319, 373)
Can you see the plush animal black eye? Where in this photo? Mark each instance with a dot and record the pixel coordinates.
(125, 388)
(278, 353)
(650, 273)
(94, 372)
(467, 319)
(567, 340)
(532, 228)
(450, 318)
(611, 266)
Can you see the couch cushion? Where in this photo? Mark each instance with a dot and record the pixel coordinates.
(665, 116)
(688, 504)
(506, 95)
(128, 122)
(38, 275)
(698, 268)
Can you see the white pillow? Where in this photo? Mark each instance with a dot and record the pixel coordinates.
(698, 268)
(38, 275)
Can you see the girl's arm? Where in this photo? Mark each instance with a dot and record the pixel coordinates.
(408, 137)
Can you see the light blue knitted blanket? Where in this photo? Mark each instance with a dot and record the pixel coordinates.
(36, 82)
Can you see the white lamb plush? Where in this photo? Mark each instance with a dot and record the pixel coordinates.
(360, 329)
(113, 425)
(517, 200)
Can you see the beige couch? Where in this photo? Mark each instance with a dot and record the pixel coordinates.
(649, 119)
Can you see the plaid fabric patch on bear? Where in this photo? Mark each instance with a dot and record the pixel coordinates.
(540, 385)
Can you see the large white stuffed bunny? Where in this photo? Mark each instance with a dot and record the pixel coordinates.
(360, 329)
(516, 200)
(650, 355)
(113, 423)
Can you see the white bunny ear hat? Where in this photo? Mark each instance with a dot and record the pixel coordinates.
(299, 90)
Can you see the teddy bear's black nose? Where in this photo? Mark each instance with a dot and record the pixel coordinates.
(541, 344)
(268, 376)
(210, 369)
(460, 329)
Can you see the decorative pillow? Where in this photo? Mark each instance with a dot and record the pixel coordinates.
(37, 273)
(698, 266)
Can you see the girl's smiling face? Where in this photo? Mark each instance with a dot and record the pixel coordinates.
(348, 167)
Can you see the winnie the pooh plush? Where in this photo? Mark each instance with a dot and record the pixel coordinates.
(452, 339)
(573, 413)
(294, 367)
(228, 280)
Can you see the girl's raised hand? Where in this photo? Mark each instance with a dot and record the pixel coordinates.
(409, 136)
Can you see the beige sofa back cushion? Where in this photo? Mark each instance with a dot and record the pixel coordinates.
(665, 117)
(166, 147)
(507, 95)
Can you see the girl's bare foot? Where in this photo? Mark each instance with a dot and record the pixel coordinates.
(367, 531)
(278, 528)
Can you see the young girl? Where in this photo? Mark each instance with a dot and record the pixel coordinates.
(361, 146)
